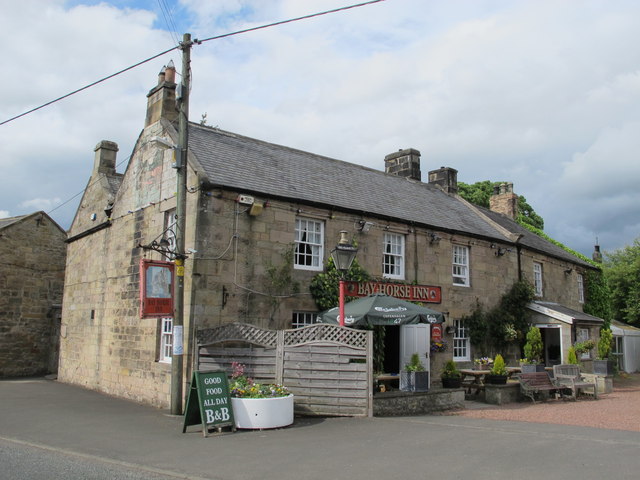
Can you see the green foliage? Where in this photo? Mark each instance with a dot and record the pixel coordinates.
(499, 367)
(572, 358)
(584, 347)
(494, 329)
(450, 370)
(479, 193)
(528, 216)
(622, 271)
(279, 280)
(415, 365)
(598, 296)
(324, 286)
(533, 347)
(604, 344)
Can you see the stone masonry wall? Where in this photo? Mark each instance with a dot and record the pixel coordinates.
(32, 260)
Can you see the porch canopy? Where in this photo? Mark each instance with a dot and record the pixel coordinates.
(563, 314)
(380, 309)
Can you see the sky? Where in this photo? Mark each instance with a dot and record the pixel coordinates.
(544, 94)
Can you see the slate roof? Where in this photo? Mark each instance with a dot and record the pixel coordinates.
(254, 166)
(531, 240)
(576, 315)
(5, 222)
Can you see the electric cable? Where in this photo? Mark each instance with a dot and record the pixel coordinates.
(195, 41)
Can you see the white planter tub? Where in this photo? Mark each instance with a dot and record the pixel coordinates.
(258, 413)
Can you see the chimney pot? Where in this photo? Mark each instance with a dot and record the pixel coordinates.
(446, 178)
(404, 163)
(504, 201)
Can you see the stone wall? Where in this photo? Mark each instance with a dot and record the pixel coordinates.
(32, 261)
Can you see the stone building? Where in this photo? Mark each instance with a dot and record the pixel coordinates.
(261, 221)
(32, 261)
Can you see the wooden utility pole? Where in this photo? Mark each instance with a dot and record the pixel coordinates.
(181, 210)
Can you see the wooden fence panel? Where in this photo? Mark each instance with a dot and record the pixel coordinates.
(328, 368)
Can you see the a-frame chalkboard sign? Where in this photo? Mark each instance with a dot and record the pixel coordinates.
(209, 402)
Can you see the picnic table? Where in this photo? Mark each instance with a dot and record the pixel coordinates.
(473, 379)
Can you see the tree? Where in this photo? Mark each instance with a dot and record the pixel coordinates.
(479, 194)
(622, 272)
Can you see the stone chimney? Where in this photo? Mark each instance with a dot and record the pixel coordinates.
(504, 201)
(404, 163)
(105, 158)
(597, 255)
(161, 100)
(446, 178)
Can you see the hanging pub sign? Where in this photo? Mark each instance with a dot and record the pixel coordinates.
(411, 293)
(156, 288)
(436, 332)
(209, 402)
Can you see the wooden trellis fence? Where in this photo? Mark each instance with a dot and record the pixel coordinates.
(328, 368)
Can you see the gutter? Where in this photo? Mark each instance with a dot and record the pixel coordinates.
(91, 231)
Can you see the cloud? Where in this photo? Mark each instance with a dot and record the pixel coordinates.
(40, 203)
(544, 94)
(4, 214)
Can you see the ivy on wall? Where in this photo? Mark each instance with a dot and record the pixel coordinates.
(494, 329)
(324, 286)
(597, 293)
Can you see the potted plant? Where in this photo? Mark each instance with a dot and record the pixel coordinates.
(572, 358)
(499, 373)
(259, 406)
(602, 365)
(533, 352)
(450, 375)
(482, 363)
(414, 377)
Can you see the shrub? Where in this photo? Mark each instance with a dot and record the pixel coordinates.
(499, 367)
(533, 347)
(450, 370)
(572, 358)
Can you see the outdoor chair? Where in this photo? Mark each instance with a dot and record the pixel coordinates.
(569, 376)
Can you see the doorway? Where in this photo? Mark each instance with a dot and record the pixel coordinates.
(552, 345)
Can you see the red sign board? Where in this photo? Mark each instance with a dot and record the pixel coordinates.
(412, 293)
(156, 288)
(436, 332)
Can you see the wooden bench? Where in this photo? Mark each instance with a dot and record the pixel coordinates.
(570, 377)
(538, 382)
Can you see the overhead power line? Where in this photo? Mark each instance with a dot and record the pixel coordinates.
(217, 37)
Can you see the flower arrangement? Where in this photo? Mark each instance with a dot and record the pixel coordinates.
(526, 361)
(510, 333)
(244, 387)
(439, 346)
(483, 362)
(450, 370)
(584, 347)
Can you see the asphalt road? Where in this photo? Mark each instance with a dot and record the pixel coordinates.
(48, 427)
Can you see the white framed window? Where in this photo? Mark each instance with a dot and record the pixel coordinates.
(309, 241)
(303, 319)
(166, 340)
(580, 288)
(460, 265)
(461, 349)
(393, 256)
(537, 279)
